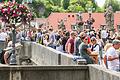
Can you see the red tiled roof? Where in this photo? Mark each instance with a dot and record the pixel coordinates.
(99, 19)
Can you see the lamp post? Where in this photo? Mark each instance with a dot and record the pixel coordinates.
(19, 15)
(13, 55)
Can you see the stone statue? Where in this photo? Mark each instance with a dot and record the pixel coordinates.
(79, 22)
(79, 16)
(61, 24)
(109, 17)
(90, 21)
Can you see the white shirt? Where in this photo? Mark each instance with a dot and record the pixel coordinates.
(3, 36)
(114, 64)
(104, 34)
(96, 48)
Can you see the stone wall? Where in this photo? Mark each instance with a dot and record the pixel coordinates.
(44, 72)
(3, 45)
(53, 65)
(42, 55)
(97, 72)
(57, 72)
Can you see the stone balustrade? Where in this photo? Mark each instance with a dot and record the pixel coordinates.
(53, 65)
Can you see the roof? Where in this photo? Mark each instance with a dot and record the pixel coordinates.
(70, 18)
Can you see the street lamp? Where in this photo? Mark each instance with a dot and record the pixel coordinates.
(13, 55)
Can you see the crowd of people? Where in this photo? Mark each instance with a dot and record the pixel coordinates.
(79, 43)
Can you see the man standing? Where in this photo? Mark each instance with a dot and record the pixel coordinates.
(112, 56)
(104, 35)
(70, 43)
(3, 36)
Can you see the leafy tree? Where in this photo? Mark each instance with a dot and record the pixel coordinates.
(85, 4)
(113, 3)
(35, 6)
(99, 9)
(75, 8)
(63, 6)
(66, 3)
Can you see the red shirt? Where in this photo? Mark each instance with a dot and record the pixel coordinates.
(71, 41)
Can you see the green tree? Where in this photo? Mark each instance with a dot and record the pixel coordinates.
(99, 9)
(35, 6)
(63, 6)
(85, 4)
(75, 8)
(66, 3)
(113, 3)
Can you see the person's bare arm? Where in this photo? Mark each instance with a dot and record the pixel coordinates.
(110, 58)
(6, 57)
(69, 48)
(89, 50)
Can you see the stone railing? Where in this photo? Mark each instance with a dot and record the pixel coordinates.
(42, 55)
(53, 65)
(57, 72)
(97, 72)
(44, 72)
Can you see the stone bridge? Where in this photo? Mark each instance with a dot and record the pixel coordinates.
(37, 62)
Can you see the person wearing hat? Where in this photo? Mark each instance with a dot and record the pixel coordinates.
(112, 56)
(95, 48)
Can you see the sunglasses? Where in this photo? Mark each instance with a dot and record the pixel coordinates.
(92, 40)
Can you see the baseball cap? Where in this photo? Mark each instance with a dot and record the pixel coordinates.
(115, 41)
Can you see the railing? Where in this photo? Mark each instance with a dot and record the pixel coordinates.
(53, 65)
(42, 55)
(53, 72)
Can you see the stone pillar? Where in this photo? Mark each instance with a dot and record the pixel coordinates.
(18, 52)
(13, 55)
(15, 75)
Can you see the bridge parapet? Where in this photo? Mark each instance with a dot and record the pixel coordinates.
(97, 72)
(53, 65)
(42, 55)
